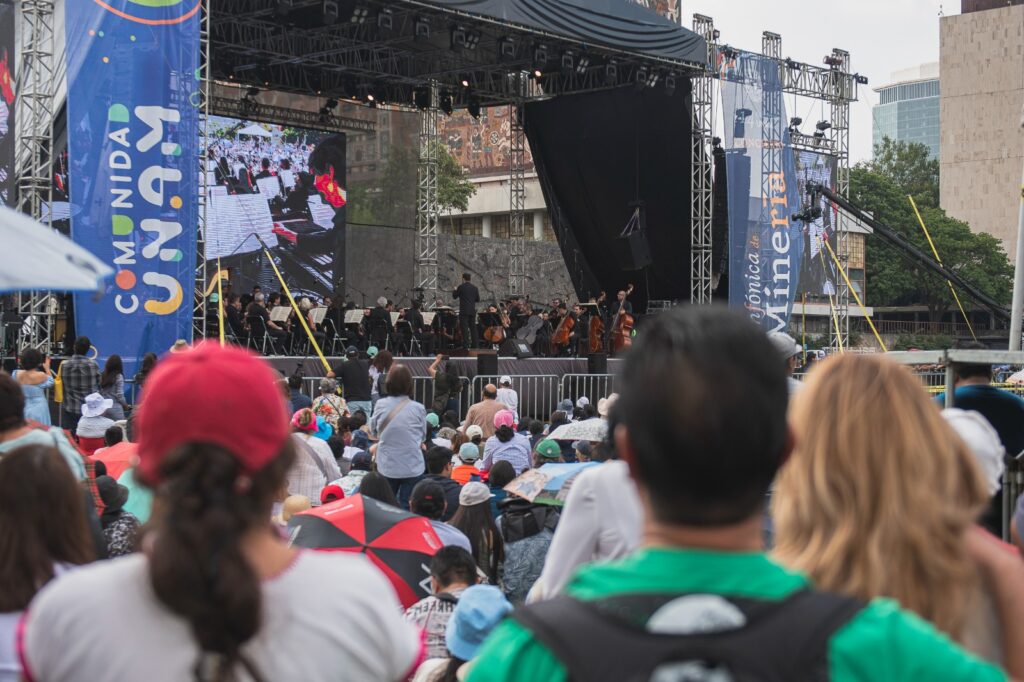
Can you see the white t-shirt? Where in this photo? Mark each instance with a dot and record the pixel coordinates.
(329, 616)
(510, 398)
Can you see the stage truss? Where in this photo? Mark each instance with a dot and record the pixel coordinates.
(701, 194)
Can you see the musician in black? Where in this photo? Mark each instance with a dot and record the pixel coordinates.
(468, 296)
(378, 324)
(419, 329)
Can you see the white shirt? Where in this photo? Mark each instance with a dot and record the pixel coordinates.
(329, 616)
(510, 398)
(307, 478)
(602, 519)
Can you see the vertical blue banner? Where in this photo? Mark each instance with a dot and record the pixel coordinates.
(765, 244)
(133, 137)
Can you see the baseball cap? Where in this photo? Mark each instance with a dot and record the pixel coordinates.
(360, 439)
(505, 379)
(583, 446)
(469, 452)
(351, 350)
(549, 449)
(330, 493)
(582, 402)
(474, 430)
(785, 345)
(433, 419)
(480, 609)
(372, 351)
(472, 493)
(198, 397)
(504, 418)
(362, 462)
(983, 442)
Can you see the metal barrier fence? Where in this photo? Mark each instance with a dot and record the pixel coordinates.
(422, 391)
(538, 393)
(592, 386)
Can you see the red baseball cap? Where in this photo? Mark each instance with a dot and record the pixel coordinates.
(223, 396)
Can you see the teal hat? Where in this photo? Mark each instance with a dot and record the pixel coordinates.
(433, 419)
(372, 351)
(323, 429)
(214, 297)
(480, 609)
(469, 452)
(549, 449)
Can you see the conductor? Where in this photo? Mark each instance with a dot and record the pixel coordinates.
(468, 296)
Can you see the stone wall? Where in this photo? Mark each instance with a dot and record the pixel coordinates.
(380, 261)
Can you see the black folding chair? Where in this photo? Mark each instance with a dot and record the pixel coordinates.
(258, 335)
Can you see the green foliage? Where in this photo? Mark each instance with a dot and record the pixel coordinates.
(882, 188)
(924, 342)
(453, 186)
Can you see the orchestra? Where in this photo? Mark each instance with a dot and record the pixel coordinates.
(556, 329)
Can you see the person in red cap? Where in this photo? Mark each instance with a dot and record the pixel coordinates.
(215, 594)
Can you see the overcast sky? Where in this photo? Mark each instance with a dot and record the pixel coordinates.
(881, 36)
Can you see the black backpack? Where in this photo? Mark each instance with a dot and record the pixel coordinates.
(521, 518)
(768, 641)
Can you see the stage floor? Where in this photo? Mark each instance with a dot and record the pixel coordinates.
(312, 367)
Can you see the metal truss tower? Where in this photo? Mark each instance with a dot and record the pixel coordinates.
(701, 196)
(772, 125)
(199, 327)
(34, 159)
(839, 96)
(427, 208)
(517, 189)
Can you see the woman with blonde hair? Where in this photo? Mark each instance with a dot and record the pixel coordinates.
(879, 499)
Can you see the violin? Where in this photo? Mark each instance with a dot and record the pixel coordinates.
(622, 326)
(596, 338)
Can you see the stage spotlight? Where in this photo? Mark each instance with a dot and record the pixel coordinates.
(464, 81)
(795, 122)
(567, 61)
(819, 135)
(790, 64)
(360, 14)
(583, 64)
(386, 19)
(446, 103)
(506, 49)
(640, 79)
(670, 83)
(823, 125)
(611, 71)
(540, 57)
(537, 74)
(473, 107)
(861, 80)
(252, 92)
(730, 52)
(472, 40)
(652, 79)
(421, 97)
(330, 11)
(421, 28)
(716, 142)
(833, 61)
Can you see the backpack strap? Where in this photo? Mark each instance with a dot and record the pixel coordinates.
(782, 641)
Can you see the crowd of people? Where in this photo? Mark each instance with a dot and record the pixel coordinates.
(733, 524)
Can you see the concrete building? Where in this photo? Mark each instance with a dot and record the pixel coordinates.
(982, 142)
(908, 108)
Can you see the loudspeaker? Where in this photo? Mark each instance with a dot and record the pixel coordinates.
(597, 363)
(632, 251)
(487, 363)
(516, 347)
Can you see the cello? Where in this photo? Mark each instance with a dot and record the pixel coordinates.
(622, 326)
(560, 339)
(596, 338)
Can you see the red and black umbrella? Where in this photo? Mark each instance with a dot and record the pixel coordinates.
(400, 543)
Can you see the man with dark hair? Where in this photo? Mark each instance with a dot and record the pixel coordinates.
(468, 296)
(452, 570)
(699, 600)
(973, 390)
(299, 399)
(439, 470)
(81, 376)
(428, 500)
(482, 413)
(264, 169)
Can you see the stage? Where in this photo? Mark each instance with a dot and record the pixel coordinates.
(514, 367)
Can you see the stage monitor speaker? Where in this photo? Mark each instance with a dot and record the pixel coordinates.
(597, 363)
(632, 251)
(487, 363)
(516, 347)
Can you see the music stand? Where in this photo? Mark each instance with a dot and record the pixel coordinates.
(428, 319)
(317, 315)
(354, 316)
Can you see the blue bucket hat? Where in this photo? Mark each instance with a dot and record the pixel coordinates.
(480, 609)
(323, 429)
(360, 439)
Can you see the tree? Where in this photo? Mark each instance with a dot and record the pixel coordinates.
(908, 165)
(895, 280)
(454, 189)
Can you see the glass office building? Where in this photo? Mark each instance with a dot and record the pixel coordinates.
(908, 109)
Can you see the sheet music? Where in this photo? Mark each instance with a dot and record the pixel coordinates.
(394, 318)
(318, 315)
(287, 178)
(354, 316)
(323, 214)
(269, 187)
(233, 219)
(280, 313)
(428, 318)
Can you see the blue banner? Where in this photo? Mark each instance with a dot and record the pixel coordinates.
(133, 136)
(765, 243)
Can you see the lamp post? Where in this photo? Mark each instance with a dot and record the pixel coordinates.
(1018, 271)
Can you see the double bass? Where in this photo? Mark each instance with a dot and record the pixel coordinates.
(622, 326)
(560, 339)
(595, 340)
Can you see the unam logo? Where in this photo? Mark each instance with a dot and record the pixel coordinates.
(152, 12)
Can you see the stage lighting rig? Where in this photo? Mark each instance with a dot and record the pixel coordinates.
(360, 14)
(716, 142)
(567, 61)
(823, 126)
(791, 64)
(611, 72)
(386, 19)
(730, 52)
(473, 107)
(464, 39)
(446, 103)
(252, 92)
(833, 62)
(330, 11)
(421, 28)
(861, 80)
(421, 98)
(540, 57)
(506, 48)
(582, 64)
(640, 78)
(670, 83)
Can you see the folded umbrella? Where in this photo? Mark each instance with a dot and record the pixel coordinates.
(36, 257)
(401, 544)
(548, 484)
(589, 429)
